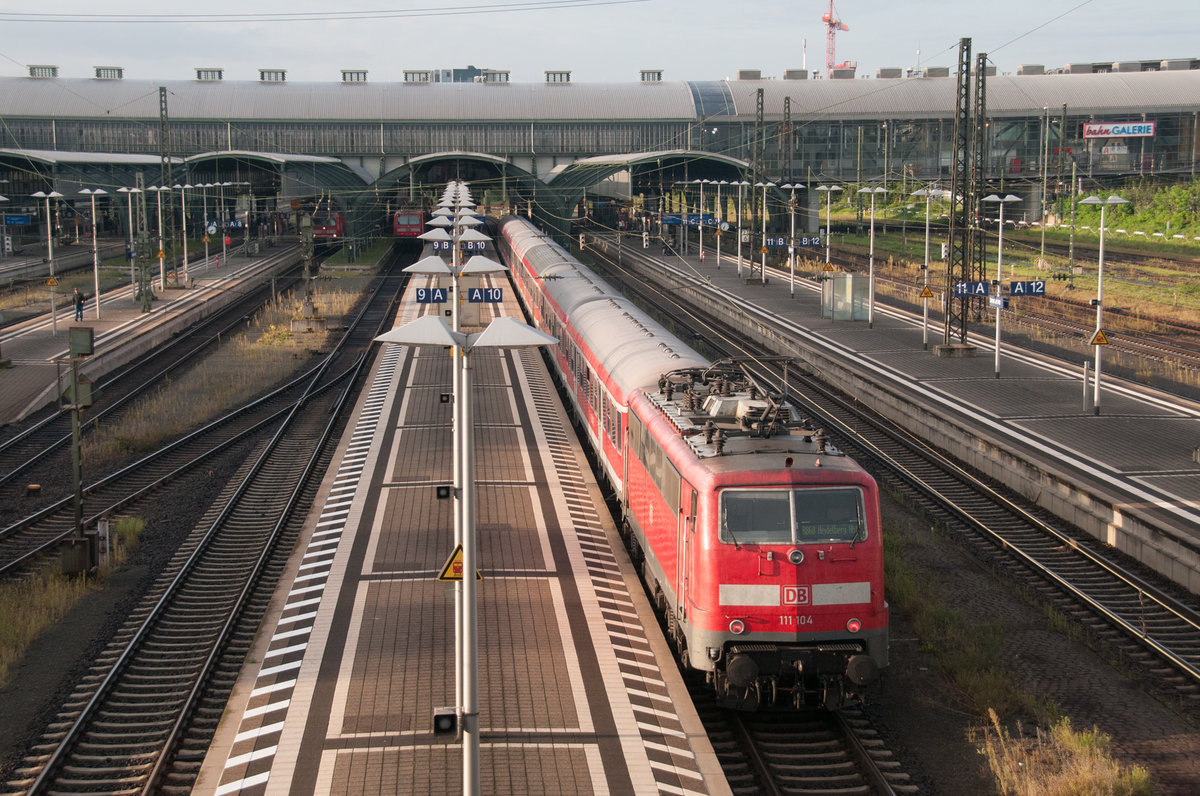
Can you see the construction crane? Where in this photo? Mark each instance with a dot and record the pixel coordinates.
(832, 26)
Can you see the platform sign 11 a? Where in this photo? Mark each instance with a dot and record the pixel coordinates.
(971, 289)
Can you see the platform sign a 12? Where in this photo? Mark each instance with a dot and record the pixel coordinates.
(1031, 287)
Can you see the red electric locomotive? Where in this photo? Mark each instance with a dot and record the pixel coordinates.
(408, 222)
(760, 542)
(328, 226)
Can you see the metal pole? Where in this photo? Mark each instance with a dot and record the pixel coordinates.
(925, 302)
(871, 271)
(162, 255)
(739, 234)
(470, 723)
(999, 276)
(700, 225)
(183, 212)
(792, 241)
(50, 255)
(719, 217)
(764, 236)
(1099, 313)
(95, 257)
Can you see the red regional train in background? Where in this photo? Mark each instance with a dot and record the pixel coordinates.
(759, 541)
(408, 222)
(328, 225)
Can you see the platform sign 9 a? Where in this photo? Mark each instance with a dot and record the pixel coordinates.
(431, 295)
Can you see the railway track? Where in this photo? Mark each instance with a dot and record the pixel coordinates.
(811, 752)
(141, 721)
(1060, 566)
(40, 446)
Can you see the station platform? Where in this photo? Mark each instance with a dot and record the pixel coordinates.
(29, 381)
(578, 691)
(1129, 476)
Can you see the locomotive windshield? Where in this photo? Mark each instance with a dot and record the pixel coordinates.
(793, 516)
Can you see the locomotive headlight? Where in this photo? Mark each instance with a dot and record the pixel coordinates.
(854, 625)
(737, 627)
(796, 557)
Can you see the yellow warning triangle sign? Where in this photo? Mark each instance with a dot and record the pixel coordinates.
(453, 570)
(828, 266)
(1099, 338)
(205, 239)
(927, 293)
(52, 282)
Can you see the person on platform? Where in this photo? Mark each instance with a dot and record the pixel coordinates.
(78, 305)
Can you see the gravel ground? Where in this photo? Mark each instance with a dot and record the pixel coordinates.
(933, 729)
(57, 660)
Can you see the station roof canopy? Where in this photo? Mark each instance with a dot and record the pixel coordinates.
(905, 97)
(589, 171)
(320, 171)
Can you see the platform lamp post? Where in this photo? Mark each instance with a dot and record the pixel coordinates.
(741, 184)
(221, 227)
(95, 246)
(3, 228)
(1097, 338)
(871, 258)
(720, 219)
(998, 296)
(183, 189)
(129, 192)
(828, 190)
(162, 255)
(792, 235)
(505, 333)
(50, 253)
(204, 201)
(765, 186)
(700, 218)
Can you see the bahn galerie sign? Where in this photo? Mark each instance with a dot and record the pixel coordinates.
(1119, 130)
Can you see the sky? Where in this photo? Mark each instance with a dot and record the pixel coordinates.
(597, 40)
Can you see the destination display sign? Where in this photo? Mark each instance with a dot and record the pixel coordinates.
(16, 220)
(1119, 130)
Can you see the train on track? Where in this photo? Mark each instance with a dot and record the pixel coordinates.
(758, 540)
(408, 221)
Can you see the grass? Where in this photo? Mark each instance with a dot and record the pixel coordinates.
(235, 372)
(30, 606)
(968, 653)
(1059, 761)
(1055, 761)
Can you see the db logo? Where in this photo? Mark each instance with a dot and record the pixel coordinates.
(795, 595)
